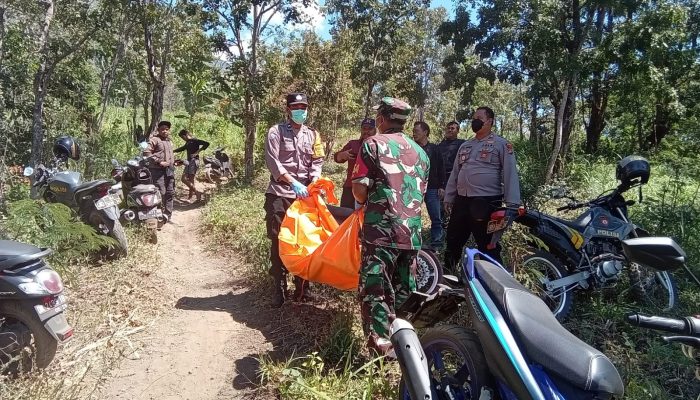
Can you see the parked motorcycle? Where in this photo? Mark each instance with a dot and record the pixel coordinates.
(92, 201)
(142, 198)
(514, 349)
(217, 167)
(32, 306)
(587, 253)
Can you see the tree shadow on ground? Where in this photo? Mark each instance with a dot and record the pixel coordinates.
(295, 328)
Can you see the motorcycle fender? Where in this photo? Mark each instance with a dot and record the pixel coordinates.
(59, 328)
(111, 213)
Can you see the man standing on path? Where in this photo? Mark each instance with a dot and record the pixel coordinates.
(390, 178)
(436, 182)
(193, 147)
(294, 157)
(484, 174)
(160, 149)
(348, 154)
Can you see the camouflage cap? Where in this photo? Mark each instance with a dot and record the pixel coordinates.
(394, 108)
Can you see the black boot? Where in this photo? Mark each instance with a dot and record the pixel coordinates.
(279, 292)
(302, 291)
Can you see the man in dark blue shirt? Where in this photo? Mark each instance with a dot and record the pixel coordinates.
(436, 181)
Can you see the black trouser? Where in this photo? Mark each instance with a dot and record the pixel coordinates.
(275, 210)
(164, 179)
(470, 216)
(347, 200)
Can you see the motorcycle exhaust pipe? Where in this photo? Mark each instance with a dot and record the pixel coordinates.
(414, 364)
(129, 215)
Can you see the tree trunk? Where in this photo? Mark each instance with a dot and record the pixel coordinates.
(596, 123)
(568, 126)
(41, 79)
(661, 127)
(157, 79)
(559, 133)
(3, 9)
(534, 134)
(368, 97)
(250, 123)
(106, 83)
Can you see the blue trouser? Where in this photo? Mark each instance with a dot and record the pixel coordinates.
(432, 202)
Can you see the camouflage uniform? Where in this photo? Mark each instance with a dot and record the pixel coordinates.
(395, 170)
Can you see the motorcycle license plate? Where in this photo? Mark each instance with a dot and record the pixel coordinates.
(108, 201)
(496, 225)
(153, 213)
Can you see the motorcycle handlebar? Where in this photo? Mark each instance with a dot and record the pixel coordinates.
(682, 326)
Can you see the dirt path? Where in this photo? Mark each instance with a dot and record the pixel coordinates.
(204, 346)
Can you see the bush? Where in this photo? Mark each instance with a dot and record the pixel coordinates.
(54, 226)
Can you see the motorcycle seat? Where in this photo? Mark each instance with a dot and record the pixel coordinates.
(579, 224)
(88, 186)
(543, 338)
(147, 188)
(14, 253)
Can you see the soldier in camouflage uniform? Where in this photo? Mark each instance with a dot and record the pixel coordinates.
(390, 178)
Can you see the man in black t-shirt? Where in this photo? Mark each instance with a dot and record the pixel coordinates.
(193, 147)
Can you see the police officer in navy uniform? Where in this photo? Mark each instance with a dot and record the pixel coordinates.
(484, 175)
(294, 158)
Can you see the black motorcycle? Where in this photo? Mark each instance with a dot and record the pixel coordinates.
(32, 306)
(142, 198)
(217, 167)
(587, 253)
(93, 201)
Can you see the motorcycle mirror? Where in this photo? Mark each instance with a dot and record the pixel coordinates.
(115, 163)
(28, 171)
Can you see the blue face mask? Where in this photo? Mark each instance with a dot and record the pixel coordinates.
(299, 116)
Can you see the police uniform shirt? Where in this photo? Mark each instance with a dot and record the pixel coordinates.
(289, 152)
(484, 168)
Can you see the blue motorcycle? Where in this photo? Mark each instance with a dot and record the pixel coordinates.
(515, 348)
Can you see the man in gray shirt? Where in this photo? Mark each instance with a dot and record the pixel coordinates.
(294, 156)
(484, 175)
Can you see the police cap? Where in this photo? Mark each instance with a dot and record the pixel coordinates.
(296, 98)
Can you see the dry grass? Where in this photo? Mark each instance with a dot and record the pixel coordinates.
(108, 303)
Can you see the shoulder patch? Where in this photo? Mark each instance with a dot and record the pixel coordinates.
(509, 147)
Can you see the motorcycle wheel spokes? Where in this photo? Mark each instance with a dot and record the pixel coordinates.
(655, 288)
(537, 270)
(449, 371)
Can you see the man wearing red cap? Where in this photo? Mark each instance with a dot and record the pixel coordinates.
(349, 154)
(294, 157)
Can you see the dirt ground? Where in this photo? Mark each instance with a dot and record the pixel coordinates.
(204, 346)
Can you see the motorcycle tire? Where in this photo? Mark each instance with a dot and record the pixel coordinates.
(560, 303)
(428, 271)
(654, 288)
(117, 233)
(459, 350)
(43, 348)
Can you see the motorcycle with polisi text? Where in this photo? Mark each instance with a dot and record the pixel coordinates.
(93, 201)
(588, 252)
(32, 309)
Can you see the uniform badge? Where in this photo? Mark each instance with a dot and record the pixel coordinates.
(509, 147)
(463, 158)
(298, 98)
(484, 154)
